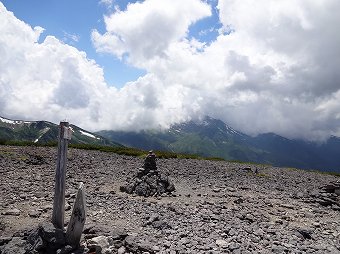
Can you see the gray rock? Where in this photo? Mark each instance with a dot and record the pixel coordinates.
(98, 244)
(161, 225)
(4, 240)
(16, 246)
(121, 250)
(136, 245)
(222, 243)
(34, 214)
(46, 237)
(233, 246)
(65, 250)
(305, 233)
(14, 212)
(94, 229)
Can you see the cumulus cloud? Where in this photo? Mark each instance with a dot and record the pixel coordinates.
(293, 50)
(272, 68)
(48, 80)
(145, 30)
(54, 81)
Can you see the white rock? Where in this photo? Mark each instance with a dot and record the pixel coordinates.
(222, 243)
(121, 250)
(99, 243)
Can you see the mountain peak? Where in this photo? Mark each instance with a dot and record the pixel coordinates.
(207, 120)
(211, 122)
(208, 127)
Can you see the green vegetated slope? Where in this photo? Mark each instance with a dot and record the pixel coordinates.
(39, 131)
(42, 132)
(213, 138)
(209, 137)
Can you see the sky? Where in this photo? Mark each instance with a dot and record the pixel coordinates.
(258, 65)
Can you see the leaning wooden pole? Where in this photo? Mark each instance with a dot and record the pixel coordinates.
(59, 191)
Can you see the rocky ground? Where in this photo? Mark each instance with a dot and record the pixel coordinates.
(218, 207)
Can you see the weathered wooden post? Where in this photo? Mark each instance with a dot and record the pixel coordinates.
(77, 221)
(59, 191)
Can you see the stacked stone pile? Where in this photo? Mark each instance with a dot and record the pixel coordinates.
(329, 196)
(332, 188)
(148, 180)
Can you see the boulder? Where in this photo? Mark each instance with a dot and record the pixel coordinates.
(46, 238)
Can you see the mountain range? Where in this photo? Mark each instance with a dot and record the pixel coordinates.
(213, 138)
(42, 132)
(208, 137)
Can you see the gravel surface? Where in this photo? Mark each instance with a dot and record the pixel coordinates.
(218, 206)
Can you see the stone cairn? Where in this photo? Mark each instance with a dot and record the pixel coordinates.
(148, 181)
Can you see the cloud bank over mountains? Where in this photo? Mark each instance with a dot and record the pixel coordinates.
(273, 67)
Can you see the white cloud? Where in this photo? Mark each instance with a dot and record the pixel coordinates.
(146, 30)
(48, 80)
(290, 49)
(108, 3)
(70, 38)
(276, 72)
(272, 73)
(54, 81)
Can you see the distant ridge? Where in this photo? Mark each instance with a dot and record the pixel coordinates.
(213, 138)
(42, 132)
(208, 137)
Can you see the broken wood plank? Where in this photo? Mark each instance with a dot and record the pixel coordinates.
(78, 217)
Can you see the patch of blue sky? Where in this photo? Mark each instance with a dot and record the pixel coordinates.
(58, 17)
(122, 4)
(207, 29)
(116, 72)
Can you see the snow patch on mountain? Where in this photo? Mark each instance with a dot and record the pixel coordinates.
(88, 134)
(232, 131)
(4, 120)
(8, 121)
(42, 132)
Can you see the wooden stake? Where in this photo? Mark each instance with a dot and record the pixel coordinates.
(78, 217)
(59, 191)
